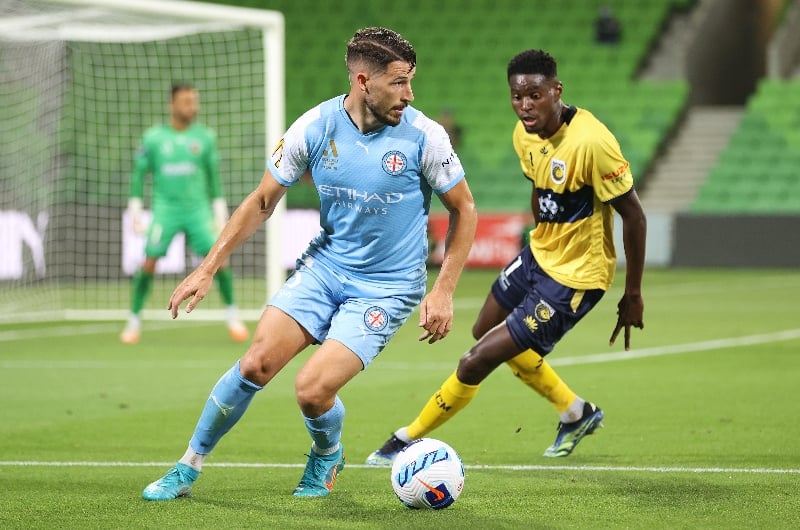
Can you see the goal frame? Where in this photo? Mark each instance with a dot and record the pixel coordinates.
(272, 25)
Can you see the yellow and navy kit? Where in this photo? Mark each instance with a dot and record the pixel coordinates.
(578, 172)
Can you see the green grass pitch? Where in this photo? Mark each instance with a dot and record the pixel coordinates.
(701, 423)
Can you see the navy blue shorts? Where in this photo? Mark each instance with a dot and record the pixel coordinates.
(542, 310)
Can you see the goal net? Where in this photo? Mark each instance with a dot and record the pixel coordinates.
(80, 81)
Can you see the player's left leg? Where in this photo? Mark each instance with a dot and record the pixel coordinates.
(529, 366)
(236, 328)
(577, 417)
(543, 318)
(372, 315)
(201, 235)
(316, 387)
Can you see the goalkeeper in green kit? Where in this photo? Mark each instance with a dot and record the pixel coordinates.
(183, 161)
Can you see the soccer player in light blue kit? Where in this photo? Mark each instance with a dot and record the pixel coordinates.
(375, 162)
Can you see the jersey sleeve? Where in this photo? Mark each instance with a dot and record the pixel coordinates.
(212, 167)
(290, 158)
(141, 166)
(611, 175)
(440, 164)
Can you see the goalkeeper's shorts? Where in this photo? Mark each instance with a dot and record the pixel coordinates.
(198, 226)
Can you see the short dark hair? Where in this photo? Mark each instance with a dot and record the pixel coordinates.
(533, 62)
(378, 47)
(179, 86)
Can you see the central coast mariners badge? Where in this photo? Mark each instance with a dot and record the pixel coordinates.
(376, 318)
(558, 171)
(543, 311)
(394, 162)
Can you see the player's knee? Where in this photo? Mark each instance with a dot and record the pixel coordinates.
(473, 368)
(255, 368)
(312, 398)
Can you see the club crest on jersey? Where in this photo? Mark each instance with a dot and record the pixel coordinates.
(376, 318)
(195, 148)
(394, 162)
(558, 171)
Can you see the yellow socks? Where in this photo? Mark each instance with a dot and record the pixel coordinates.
(535, 372)
(454, 395)
(451, 397)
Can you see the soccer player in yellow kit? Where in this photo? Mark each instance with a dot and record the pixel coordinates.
(579, 178)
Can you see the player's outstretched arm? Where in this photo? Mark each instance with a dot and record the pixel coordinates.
(630, 309)
(251, 213)
(436, 310)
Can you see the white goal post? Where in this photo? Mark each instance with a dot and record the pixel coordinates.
(80, 81)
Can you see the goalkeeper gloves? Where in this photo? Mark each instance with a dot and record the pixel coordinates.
(220, 209)
(135, 208)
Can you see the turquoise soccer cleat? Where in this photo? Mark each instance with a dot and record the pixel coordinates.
(570, 434)
(176, 483)
(320, 474)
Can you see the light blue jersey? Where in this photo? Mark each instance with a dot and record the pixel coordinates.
(362, 277)
(375, 188)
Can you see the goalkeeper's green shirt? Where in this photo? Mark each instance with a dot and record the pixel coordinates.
(184, 166)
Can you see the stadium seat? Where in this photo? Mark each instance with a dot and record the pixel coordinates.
(461, 67)
(762, 158)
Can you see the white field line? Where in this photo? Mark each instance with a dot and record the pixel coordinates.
(637, 469)
(716, 344)
(80, 330)
(656, 351)
(595, 358)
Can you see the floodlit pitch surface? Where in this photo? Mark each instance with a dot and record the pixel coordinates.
(701, 423)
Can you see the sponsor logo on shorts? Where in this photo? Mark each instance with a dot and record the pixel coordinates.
(531, 323)
(376, 318)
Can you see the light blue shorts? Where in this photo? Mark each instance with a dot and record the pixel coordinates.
(334, 304)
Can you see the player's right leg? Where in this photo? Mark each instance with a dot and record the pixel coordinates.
(452, 391)
(512, 286)
(445, 403)
(457, 391)
(225, 405)
(278, 339)
(159, 236)
(140, 289)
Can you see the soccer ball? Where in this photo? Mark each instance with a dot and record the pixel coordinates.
(428, 474)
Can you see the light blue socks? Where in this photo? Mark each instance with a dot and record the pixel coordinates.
(228, 400)
(326, 431)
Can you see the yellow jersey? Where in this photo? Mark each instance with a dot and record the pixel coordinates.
(577, 173)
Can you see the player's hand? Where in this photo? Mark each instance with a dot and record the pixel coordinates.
(435, 316)
(630, 312)
(220, 208)
(196, 285)
(135, 208)
(139, 225)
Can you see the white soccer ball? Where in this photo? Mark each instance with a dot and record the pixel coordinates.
(428, 474)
